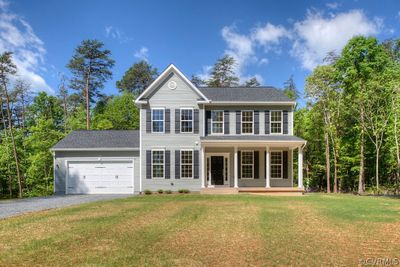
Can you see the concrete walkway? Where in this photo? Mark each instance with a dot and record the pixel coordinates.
(14, 207)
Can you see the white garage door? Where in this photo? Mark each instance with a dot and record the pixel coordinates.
(106, 177)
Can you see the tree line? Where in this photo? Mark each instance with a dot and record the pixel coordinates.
(350, 117)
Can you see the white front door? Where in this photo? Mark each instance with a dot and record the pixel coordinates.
(95, 177)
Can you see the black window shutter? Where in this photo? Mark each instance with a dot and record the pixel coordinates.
(167, 164)
(177, 121)
(148, 164)
(148, 120)
(196, 164)
(256, 164)
(177, 164)
(285, 122)
(239, 165)
(265, 165)
(167, 121)
(256, 122)
(196, 121)
(267, 122)
(285, 165)
(208, 122)
(238, 121)
(226, 122)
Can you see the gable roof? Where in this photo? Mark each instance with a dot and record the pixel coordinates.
(170, 69)
(245, 94)
(99, 140)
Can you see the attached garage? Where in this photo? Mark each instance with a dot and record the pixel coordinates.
(97, 162)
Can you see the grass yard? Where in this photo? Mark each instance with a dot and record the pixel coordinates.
(204, 230)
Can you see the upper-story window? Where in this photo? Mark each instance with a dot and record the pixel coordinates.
(247, 122)
(276, 121)
(217, 122)
(157, 120)
(157, 163)
(186, 120)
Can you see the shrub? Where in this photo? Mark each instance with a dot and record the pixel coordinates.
(160, 191)
(168, 192)
(183, 191)
(147, 192)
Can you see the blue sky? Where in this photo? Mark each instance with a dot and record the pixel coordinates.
(270, 39)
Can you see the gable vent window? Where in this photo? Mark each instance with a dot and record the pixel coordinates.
(276, 122)
(217, 122)
(186, 120)
(157, 120)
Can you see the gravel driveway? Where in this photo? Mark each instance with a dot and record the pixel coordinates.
(14, 207)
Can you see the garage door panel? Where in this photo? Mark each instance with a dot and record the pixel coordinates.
(98, 178)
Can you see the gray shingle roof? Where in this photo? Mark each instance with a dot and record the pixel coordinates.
(110, 139)
(253, 138)
(244, 94)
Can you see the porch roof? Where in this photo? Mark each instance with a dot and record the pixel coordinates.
(274, 140)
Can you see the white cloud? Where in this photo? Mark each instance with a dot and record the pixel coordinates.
(333, 5)
(269, 35)
(116, 33)
(317, 35)
(205, 74)
(17, 36)
(142, 53)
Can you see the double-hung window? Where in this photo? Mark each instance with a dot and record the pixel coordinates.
(186, 163)
(157, 163)
(276, 121)
(247, 164)
(157, 120)
(186, 120)
(217, 122)
(247, 122)
(276, 164)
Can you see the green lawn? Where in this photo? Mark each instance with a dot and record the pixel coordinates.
(200, 230)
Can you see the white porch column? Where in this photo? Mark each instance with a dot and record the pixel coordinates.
(300, 175)
(235, 164)
(203, 168)
(267, 167)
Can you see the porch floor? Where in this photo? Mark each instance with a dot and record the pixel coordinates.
(275, 191)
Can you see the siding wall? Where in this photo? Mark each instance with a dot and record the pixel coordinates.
(61, 157)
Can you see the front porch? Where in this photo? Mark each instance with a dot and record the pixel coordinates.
(263, 167)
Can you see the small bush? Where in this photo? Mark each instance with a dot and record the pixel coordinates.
(160, 191)
(168, 192)
(183, 191)
(147, 192)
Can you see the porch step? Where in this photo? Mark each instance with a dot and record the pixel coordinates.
(219, 190)
(273, 191)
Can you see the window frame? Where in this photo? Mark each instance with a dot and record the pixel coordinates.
(152, 163)
(186, 164)
(223, 122)
(270, 121)
(252, 122)
(180, 119)
(152, 126)
(281, 164)
(241, 165)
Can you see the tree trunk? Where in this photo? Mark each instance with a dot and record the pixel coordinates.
(327, 161)
(65, 112)
(10, 127)
(362, 141)
(377, 168)
(397, 145)
(87, 102)
(335, 181)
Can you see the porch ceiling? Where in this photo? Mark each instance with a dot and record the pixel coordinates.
(253, 140)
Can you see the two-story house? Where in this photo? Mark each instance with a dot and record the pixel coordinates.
(203, 139)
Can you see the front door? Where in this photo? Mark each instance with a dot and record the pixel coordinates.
(217, 169)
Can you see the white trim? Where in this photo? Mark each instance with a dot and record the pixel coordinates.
(180, 119)
(158, 108)
(281, 164)
(180, 163)
(241, 165)
(161, 77)
(223, 121)
(267, 167)
(226, 155)
(203, 121)
(241, 122)
(96, 149)
(141, 160)
(235, 167)
(270, 122)
(100, 159)
(152, 176)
